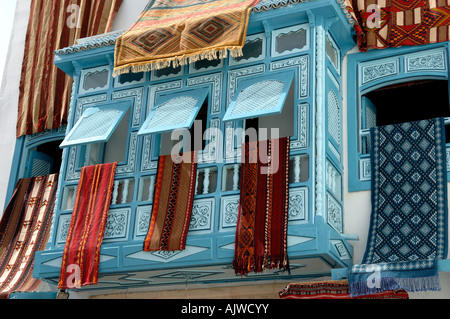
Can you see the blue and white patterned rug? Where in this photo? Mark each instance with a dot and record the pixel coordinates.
(408, 227)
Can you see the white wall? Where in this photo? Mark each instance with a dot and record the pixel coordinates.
(9, 94)
(128, 13)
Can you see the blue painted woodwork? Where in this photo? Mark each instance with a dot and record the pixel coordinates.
(176, 110)
(315, 235)
(96, 124)
(259, 96)
(379, 68)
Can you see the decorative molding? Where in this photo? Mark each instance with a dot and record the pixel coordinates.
(235, 75)
(117, 224)
(334, 117)
(116, 229)
(215, 82)
(146, 162)
(302, 65)
(333, 179)
(341, 250)
(63, 228)
(302, 139)
(81, 104)
(229, 209)
(167, 256)
(211, 152)
(365, 173)
(161, 88)
(130, 165)
(92, 71)
(298, 204)
(320, 122)
(142, 222)
(370, 72)
(434, 60)
(202, 217)
(287, 33)
(334, 214)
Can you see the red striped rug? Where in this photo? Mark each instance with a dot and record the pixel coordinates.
(172, 204)
(333, 289)
(261, 234)
(81, 258)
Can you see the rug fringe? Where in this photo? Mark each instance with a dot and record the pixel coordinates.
(177, 61)
(246, 264)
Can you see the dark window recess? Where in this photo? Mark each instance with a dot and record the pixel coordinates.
(204, 64)
(411, 101)
(130, 77)
(167, 71)
(201, 119)
(44, 159)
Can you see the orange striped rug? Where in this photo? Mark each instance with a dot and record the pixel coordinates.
(171, 32)
(81, 258)
(172, 204)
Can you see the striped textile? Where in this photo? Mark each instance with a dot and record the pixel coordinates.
(380, 24)
(175, 31)
(24, 230)
(333, 289)
(81, 258)
(261, 233)
(44, 89)
(172, 204)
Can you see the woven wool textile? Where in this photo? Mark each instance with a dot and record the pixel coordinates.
(173, 31)
(172, 203)
(81, 257)
(44, 89)
(393, 23)
(408, 225)
(261, 233)
(24, 230)
(333, 289)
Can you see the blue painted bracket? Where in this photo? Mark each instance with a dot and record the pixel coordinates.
(342, 273)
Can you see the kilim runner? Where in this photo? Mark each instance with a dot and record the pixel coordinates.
(45, 90)
(380, 24)
(81, 257)
(24, 230)
(333, 289)
(261, 233)
(172, 203)
(171, 32)
(408, 225)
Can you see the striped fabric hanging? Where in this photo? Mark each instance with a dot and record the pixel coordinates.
(24, 230)
(44, 89)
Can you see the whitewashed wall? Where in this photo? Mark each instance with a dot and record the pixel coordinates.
(9, 94)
